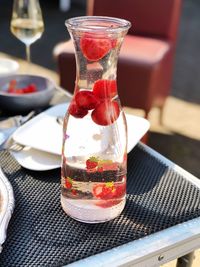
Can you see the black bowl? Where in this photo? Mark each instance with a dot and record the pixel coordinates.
(20, 103)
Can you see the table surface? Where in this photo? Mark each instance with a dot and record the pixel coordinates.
(143, 235)
(157, 248)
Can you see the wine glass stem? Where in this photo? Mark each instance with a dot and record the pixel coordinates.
(28, 53)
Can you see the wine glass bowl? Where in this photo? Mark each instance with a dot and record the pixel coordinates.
(27, 22)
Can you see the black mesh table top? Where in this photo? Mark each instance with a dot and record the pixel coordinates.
(41, 234)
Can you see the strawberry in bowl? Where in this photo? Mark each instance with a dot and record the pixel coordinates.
(21, 93)
(13, 89)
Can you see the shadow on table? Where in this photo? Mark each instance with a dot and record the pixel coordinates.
(180, 149)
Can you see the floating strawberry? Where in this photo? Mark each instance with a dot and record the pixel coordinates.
(105, 89)
(104, 191)
(74, 192)
(106, 112)
(120, 190)
(86, 100)
(110, 194)
(95, 48)
(76, 111)
(100, 169)
(97, 190)
(68, 183)
(91, 163)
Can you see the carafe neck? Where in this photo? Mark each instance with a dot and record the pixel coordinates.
(97, 42)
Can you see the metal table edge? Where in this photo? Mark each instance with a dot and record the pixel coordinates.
(155, 249)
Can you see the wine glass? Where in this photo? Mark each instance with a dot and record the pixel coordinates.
(27, 22)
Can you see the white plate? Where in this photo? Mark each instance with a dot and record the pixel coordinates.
(43, 133)
(7, 206)
(8, 66)
(37, 160)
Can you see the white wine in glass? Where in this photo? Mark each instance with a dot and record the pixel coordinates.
(27, 22)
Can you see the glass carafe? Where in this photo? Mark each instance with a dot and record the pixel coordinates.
(94, 152)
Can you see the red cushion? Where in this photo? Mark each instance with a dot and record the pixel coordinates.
(143, 50)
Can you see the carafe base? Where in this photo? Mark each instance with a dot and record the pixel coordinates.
(92, 211)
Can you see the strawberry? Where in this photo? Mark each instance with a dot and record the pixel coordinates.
(105, 89)
(104, 191)
(109, 194)
(12, 86)
(95, 48)
(106, 112)
(100, 169)
(120, 190)
(97, 190)
(91, 163)
(31, 88)
(74, 192)
(68, 183)
(76, 111)
(18, 91)
(86, 100)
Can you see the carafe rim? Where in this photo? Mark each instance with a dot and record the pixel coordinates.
(105, 24)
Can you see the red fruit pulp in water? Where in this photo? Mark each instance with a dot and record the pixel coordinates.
(95, 48)
(105, 89)
(106, 112)
(86, 100)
